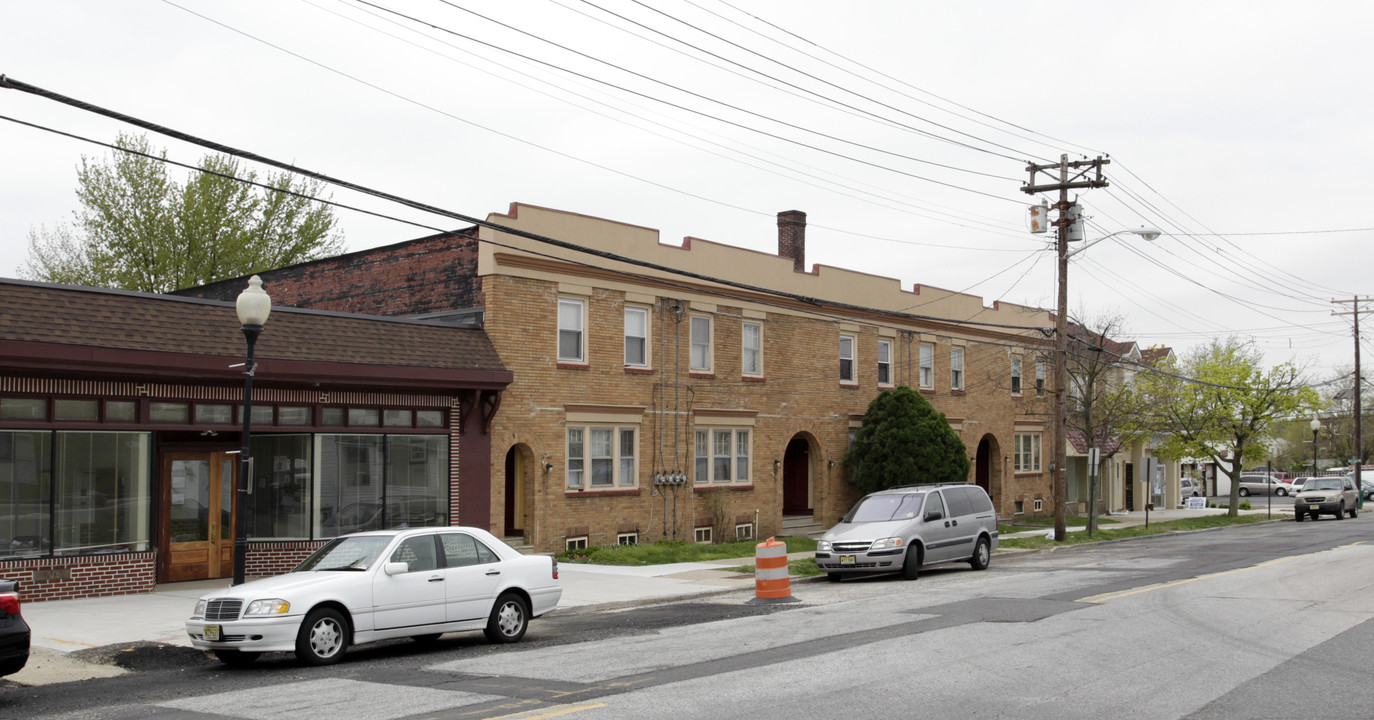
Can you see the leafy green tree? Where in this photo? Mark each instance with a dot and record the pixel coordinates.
(1220, 404)
(905, 441)
(139, 230)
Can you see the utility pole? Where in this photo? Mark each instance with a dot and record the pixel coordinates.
(1072, 175)
(1359, 431)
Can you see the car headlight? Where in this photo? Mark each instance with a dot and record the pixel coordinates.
(271, 606)
(200, 609)
(822, 546)
(886, 543)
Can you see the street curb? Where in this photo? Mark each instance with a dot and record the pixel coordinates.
(1063, 548)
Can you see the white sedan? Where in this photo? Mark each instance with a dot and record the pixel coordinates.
(417, 583)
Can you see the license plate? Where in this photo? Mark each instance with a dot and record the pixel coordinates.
(846, 559)
(211, 633)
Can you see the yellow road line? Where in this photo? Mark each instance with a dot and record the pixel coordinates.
(551, 712)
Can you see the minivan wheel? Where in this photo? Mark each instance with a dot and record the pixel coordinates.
(982, 554)
(911, 567)
(1245, 492)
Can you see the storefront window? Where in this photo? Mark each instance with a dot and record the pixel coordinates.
(121, 410)
(23, 408)
(169, 412)
(25, 497)
(84, 410)
(279, 506)
(102, 485)
(349, 477)
(416, 480)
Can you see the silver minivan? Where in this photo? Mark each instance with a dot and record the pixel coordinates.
(902, 529)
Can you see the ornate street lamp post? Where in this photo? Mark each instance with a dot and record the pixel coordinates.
(254, 305)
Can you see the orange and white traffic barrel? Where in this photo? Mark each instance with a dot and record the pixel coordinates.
(771, 582)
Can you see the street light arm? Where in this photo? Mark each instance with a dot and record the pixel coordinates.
(1148, 233)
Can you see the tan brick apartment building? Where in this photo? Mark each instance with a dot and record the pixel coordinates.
(649, 404)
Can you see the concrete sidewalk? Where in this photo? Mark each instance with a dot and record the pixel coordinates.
(61, 627)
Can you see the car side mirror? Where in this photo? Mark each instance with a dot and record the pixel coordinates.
(396, 568)
(934, 515)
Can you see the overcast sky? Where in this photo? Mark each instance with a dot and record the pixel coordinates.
(902, 128)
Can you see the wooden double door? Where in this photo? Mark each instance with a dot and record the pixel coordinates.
(198, 514)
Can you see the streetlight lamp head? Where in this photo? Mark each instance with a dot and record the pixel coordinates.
(1150, 234)
(254, 304)
(1315, 424)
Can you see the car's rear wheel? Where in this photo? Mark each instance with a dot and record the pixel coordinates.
(1245, 492)
(1281, 492)
(323, 637)
(982, 555)
(509, 619)
(911, 567)
(236, 658)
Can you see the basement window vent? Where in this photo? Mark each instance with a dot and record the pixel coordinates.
(744, 531)
(703, 536)
(577, 543)
(1039, 505)
(1020, 507)
(627, 539)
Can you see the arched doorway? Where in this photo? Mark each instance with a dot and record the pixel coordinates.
(796, 478)
(517, 485)
(987, 468)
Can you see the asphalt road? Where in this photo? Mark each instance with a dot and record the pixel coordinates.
(1252, 621)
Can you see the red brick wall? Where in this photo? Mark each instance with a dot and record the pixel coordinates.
(426, 275)
(88, 576)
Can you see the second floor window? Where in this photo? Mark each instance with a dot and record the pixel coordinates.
(956, 368)
(847, 359)
(1015, 374)
(571, 338)
(636, 336)
(701, 343)
(751, 349)
(927, 366)
(1039, 377)
(884, 362)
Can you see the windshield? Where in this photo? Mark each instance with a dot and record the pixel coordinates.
(881, 508)
(1322, 485)
(346, 553)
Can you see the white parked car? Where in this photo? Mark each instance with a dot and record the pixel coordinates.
(417, 583)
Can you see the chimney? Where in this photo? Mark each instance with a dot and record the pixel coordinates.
(792, 238)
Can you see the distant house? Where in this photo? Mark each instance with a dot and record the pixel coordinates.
(1111, 363)
(699, 392)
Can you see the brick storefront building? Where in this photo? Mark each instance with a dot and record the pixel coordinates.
(648, 404)
(121, 418)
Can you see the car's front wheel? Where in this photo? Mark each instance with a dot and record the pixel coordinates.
(1281, 492)
(323, 637)
(509, 619)
(1245, 492)
(1340, 512)
(1354, 512)
(911, 567)
(1297, 517)
(982, 555)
